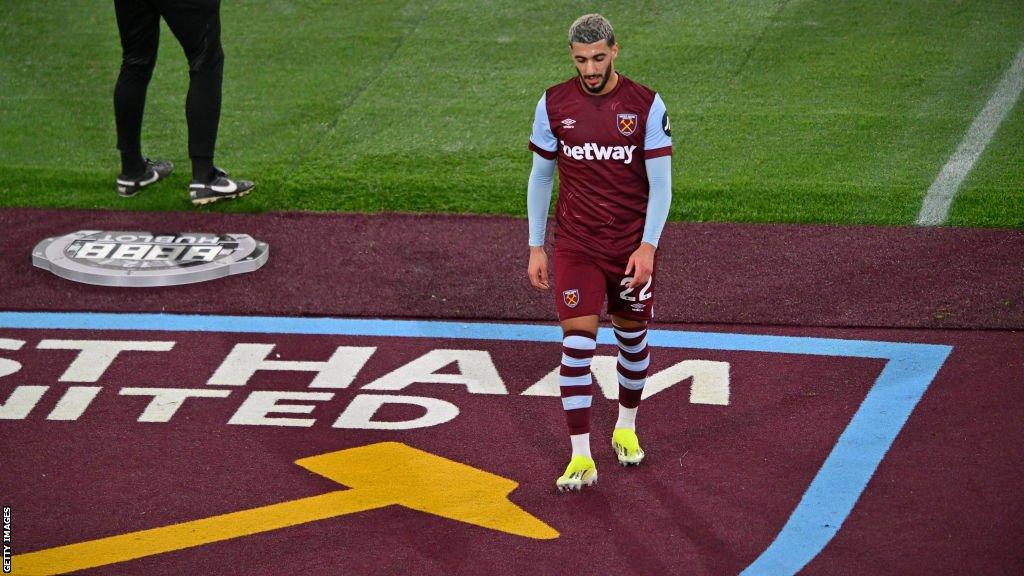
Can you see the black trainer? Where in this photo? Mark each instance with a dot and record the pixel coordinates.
(220, 188)
(156, 170)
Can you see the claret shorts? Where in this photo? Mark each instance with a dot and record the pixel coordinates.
(583, 281)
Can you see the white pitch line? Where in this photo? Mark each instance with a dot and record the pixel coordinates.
(940, 194)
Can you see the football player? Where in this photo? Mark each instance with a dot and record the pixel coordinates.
(611, 141)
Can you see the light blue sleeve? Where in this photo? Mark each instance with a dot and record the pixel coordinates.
(659, 175)
(538, 197)
(542, 136)
(659, 133)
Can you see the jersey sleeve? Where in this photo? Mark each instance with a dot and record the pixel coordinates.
(538, 197)
(658, 138)
(659, 201)
(543, 141)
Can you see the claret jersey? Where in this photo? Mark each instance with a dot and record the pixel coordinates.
(600, 143)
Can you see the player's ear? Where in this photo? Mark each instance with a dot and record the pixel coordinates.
(615, 50)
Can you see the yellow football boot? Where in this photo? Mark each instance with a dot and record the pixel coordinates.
(580, 472)
(627, 447)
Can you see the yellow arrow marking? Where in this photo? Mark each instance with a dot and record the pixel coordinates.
(379, 475)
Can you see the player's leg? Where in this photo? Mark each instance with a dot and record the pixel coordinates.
(576, 384)
(630, 309)
(579, 294)
(196, 25)
(575, 381)
(632, 365)
(138, 24)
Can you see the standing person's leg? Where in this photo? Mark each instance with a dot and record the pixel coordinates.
(196, 25)
(576, 387)
(575, 381)
(138, 24)
(633, 362)
(630, 309)
(579, 295)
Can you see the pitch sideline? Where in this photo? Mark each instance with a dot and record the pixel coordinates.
(940, 195)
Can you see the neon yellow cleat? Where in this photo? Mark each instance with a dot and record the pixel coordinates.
(627, 447)
(580, 472)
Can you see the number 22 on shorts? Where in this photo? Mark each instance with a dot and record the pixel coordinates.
(627, 294)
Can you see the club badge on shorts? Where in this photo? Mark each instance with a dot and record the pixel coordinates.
(571, 297)
(626, 123)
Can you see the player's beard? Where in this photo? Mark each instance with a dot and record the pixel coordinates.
(599, 87)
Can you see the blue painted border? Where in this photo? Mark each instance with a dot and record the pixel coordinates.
(824, 506)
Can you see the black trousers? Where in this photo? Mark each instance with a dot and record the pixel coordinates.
(196, 25)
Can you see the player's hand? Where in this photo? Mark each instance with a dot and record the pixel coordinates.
(538, 268)
(641, 264)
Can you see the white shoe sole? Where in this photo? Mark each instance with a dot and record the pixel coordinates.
(633, 460)
(575, 485)
(212, 199)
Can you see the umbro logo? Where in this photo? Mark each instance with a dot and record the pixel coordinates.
(568, 123)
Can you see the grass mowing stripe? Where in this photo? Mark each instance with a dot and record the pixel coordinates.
(939, 198)
(798, 111)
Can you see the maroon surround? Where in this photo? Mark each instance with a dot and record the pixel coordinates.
(719, 481)
(474, 267)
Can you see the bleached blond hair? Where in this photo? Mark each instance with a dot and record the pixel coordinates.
(591, 28)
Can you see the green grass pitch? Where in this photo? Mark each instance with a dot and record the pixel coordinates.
(794, 111)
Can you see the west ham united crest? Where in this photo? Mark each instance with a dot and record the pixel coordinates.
(626, 124)
(141, 259)
(571, 297)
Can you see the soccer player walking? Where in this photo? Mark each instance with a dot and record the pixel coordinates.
(611, 140)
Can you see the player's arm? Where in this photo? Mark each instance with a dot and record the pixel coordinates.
(658, 162)
(538, 194)
(659, 175)
(538, 198)
(641, 262)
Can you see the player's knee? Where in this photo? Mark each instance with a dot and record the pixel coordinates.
(628, 324)
(580, 324)
(209, 58)
(139, 66)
